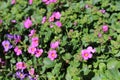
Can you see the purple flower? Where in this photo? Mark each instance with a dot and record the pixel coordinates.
(9, 36)
(20, 75)
(17, 38)
(6, 45)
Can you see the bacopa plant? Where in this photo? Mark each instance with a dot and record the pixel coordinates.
(59, 40)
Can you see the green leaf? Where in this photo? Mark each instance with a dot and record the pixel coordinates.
(48, 63)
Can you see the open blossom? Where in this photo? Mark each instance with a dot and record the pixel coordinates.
(57, 15)
(31, 49)
(54, 45)
(13, 1)
(32, 71)
(6, 45)
(17, 50)
(27, 23)
(86, 54)
(58, 23)
(20, 65)
(30, 2)
(35, 41)
(32, 32)
(38, 52)
(105, 28)
(43, 20)
(20, 75)
(52, 54)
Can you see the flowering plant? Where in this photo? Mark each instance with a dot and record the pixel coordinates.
(59, 39)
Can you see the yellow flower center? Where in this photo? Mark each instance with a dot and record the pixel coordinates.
(86, 54)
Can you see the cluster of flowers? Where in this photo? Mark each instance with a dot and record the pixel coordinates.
(32, 49)
(52, 53)
(34, 40)
(6, 43)
(21, 74)
(54, 18)
(87, 53)
(47, 2)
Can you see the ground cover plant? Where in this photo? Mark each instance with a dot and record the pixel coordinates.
(59, 40)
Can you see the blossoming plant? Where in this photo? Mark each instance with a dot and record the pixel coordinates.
(59, 39)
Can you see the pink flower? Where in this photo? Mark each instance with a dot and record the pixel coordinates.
(38, 52)
(31, 49)
(105, 28)
(57, 15)
(54, 45)
(86, 54)
(90, 49)
(17, 51)
(58, 23)
(52, 54)
(32, 71)
(27, 23)
(103, 11)
(30, 2)
(51, 19)
(32, 32)
(47, 2)
(20, 65)
(35, 41)
(43, 20)
(13, 1)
